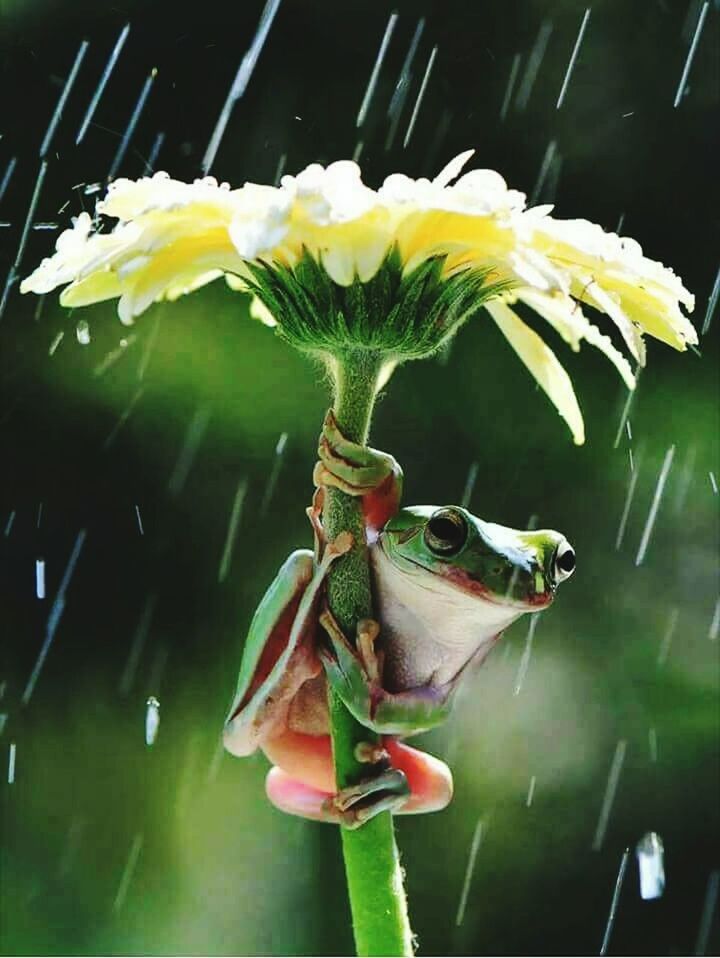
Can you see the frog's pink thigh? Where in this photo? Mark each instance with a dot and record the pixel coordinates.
(304, 777)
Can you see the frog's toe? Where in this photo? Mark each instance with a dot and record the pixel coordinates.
(350, 466)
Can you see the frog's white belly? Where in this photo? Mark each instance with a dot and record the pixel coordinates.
(430, 627)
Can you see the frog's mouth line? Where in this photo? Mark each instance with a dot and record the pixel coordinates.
(464, 584)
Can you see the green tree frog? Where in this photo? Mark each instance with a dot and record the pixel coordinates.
(446, 585)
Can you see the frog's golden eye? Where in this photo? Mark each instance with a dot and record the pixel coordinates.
(563, 561)
(446, 532)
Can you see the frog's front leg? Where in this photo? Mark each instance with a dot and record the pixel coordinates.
(355, 673)
(359, 471)
(303, 782)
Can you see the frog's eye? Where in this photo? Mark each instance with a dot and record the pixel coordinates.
(446, 532)
(564, 561)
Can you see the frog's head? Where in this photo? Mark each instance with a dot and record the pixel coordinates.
(504, 566)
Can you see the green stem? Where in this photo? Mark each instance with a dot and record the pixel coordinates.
(372, 865)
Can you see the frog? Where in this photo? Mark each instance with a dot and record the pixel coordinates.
(446, 585)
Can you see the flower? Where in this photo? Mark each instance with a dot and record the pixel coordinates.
(336, 264)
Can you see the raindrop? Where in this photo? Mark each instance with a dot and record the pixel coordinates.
(128, 675)
(56, 342)
(653, 744)
(527, 652)
(667, 637)
(9, 523)
(652, 515)
(216, 762)
(139, 520)
(573, 58)
(274, 473)
(242, 78)
(193, 438)
(681, 90)
(13, 273)
(124, 416)
(712, 300)
(50, 132)
(372, 82)
(82, 331)
(154, 151)
(11, 764)
(152, 720)
(72, 847)
(54, 617)
(715, 623)
(90, 112)
(706, 919)
(544, 168)
(40, 578)
(474, 847)
(128, 871)
(610, 790)
(149, 343)
(713, 482)
(687, 474)
(421, 94)
(510, 86)
(531, 792)
(469, 484)
(232, 529)
(533, 65)
(112, 357)
(403, 82)
(649, 851)
(280, 169)
(615, 899)
(7, 175)
(132, 123)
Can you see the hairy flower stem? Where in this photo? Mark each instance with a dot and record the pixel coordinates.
(372, 866)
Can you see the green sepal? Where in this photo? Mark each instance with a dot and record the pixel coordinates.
(397, 316)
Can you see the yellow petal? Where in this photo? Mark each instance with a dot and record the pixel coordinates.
(543, 364)
(93, 289)
(258, 310)
(567, 318)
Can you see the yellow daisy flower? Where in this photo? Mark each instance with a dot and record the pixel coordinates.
(337, 264)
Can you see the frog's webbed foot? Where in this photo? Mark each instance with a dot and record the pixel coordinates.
(386, 791)
(358, 471)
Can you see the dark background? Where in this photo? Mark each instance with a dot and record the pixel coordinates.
(217, 870)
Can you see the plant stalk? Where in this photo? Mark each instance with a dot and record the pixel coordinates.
(372, 865)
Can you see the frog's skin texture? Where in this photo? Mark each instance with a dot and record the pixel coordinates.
(446, 586)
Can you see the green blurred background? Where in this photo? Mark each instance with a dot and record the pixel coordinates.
(93, 435)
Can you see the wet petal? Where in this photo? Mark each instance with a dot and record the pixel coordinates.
(542, 364)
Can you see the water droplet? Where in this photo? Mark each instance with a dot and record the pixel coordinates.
(82, 332)
(649, 851)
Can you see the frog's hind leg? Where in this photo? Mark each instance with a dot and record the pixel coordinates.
(303, 782)
(430, 780)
